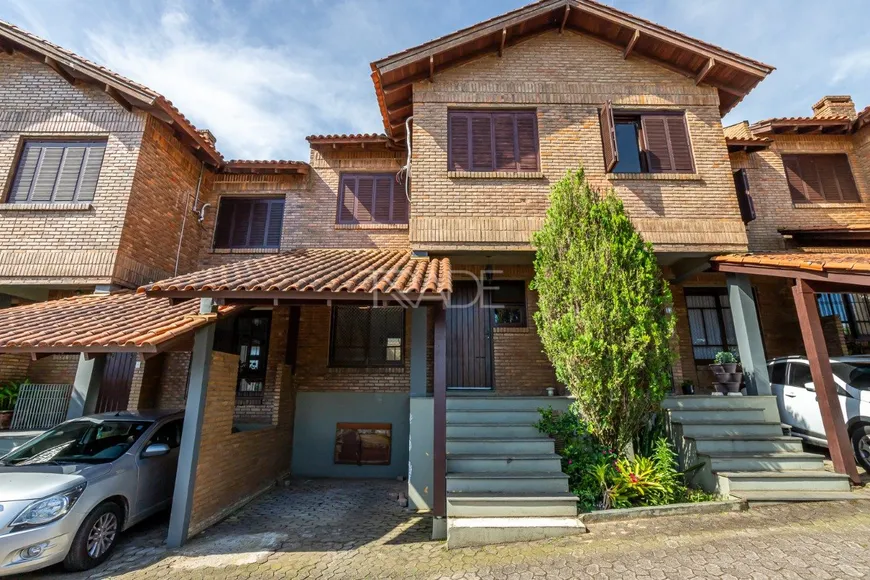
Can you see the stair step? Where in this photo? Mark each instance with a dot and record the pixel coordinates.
(486, 416)
(510, 463)
(783, 496)
(496, 403)
(784, 461)
(507, 482)
(747, 444)
(465, 532)
(715, 402)
(490, 430)
(716, 414)
(508, 445)
(797, 481)
(725, 427)
(482, 504)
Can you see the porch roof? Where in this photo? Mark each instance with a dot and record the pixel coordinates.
(815, 268)
(318, 274)
(119, 322)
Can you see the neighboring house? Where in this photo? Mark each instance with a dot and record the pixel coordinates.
(307, 376)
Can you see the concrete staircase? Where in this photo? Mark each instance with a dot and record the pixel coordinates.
(504, 478)
(745, 454)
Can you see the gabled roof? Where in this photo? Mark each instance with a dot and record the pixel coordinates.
(76, 69)
(732, 74)
(802, 126)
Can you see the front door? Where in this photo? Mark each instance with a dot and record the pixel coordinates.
(117, 380)
(469, 338)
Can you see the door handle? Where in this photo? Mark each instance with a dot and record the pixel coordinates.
(792, 395)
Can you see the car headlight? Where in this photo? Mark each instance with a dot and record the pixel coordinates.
(49, 509)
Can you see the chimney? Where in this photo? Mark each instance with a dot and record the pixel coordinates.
(209, 136)
(835, 106)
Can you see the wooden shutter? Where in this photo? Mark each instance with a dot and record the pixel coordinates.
(655, 137)
(459, 145)
(275, 223)
(400, 204)
(803, 178)
(482, 156)
(504, 133)
(794, 179)
(608, 136)
(46, 174)
(70, 171)
(57, 172)
(241, 224)
(527, 141)
(744, 199)
(365, 198)
(259, 224)
(25, 173)
(91, 172)
(681, 148)
(845, 178)
(223, 228)
(383, 199)
(347, 200)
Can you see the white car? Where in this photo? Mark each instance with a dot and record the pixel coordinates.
(792, 383)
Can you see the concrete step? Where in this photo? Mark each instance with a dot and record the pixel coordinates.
(491, 446)
(465, 532)
(734, 428)
(490, 430)
(785, 496)
(713, 402)
(512, 463)
(787, 461)
(489, 417)
(511, 505)
(507, 482)
(716, 414)
(495, 403)
(733, 482)
(747, 444)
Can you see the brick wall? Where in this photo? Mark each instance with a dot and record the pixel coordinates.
(13, 367)
(566, 78)
(58, 369)
(145, 384)
(173, 380)
(71, 243)
(233, 467)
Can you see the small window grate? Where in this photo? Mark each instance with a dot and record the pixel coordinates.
(367, 337)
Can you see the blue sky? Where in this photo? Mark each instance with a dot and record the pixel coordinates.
(263, 74)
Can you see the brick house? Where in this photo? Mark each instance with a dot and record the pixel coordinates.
(286, 365)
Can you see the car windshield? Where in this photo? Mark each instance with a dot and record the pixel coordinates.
(856, 375)
(84, 441)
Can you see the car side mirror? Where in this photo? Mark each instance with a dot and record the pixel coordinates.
(810, 387)
(156, 450)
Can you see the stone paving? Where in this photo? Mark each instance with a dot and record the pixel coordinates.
(315, 529)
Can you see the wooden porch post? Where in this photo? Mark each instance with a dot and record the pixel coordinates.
(439, 384)
(823, 380)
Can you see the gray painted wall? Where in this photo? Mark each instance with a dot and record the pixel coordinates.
(314, 432)
(420, 450)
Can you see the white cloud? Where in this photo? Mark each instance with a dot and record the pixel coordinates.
(854, 65)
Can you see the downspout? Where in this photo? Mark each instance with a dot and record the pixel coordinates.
(184, 216)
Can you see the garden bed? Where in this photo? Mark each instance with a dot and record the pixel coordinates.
(675, 509)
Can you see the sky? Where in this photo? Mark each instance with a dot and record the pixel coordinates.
(264, 74)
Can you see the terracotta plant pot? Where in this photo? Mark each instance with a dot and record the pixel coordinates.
(716, 369)
(733, 387)
(730, 378)
(720, 387)
(5, 419)
(730, 367)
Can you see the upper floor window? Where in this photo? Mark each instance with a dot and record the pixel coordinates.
(654, 142)
(249, 223)
(57, 172)
(367, 198)
(493, 141)
(820, 178)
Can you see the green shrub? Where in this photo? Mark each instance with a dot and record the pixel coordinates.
(725, 357)
(9, 393)
(603, 313)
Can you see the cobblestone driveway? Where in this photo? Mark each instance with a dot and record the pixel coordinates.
(355, 529)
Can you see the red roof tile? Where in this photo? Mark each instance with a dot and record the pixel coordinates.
(101, 323)
(815, 262)
(319, 271)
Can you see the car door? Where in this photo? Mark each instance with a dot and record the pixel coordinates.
(777, 373)
(157, 474)
(801, 404)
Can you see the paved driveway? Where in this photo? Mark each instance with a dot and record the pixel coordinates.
(356, 529)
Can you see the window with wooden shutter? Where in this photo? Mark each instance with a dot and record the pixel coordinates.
(646, 142)
(493, 141)
(249, 223)
(57, 172)
(744, 198)
(371, 198)
(820, 178)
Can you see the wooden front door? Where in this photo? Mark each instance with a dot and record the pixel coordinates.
(469, 338)
(117, 380)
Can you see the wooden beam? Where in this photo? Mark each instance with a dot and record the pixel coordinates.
(431, 68)
(630, 47)
(823, 381)
(501, 44)
(711, 62)
(112, 92)
(565, 18)
(60, 70)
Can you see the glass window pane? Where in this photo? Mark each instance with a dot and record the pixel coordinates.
(777, 373)
(714, 331)
(696, 325)
(730, 335)
(701, 301)
(628, 148)
(799, 374)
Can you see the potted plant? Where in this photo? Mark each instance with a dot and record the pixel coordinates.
(8, 395)
(727, 360)
(725, 370)
(688, 387)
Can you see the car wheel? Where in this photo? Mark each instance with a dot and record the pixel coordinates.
(95, 538)
(861, 446)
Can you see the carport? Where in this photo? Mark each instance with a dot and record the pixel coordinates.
(810, 274)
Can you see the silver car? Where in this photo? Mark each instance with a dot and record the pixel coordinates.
(67, 494)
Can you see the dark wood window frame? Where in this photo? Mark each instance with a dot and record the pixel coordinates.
(501, 304)
(720, 317)
(820, 178)
(369, 208)
(73, 180)
(680, 156)
(231, 227)
(488, 155)
(228, 339)
(337, 362)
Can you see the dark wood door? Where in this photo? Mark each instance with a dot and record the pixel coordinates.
(117, 380)
(469, 338)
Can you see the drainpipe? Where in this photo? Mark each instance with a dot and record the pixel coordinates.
(184, 216)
